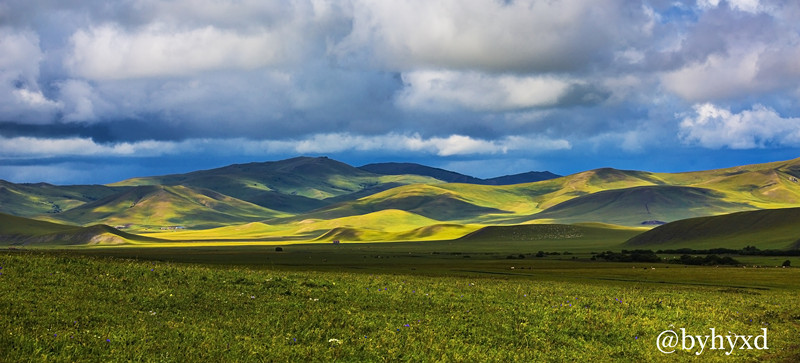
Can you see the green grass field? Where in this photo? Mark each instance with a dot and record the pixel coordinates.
(67, 307)
(484, 296)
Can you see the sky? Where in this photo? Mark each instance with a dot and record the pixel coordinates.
(101, 91)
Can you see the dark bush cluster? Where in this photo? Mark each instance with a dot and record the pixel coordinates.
(629, 256)
(708, 260)
(542, 254)
(746, 251)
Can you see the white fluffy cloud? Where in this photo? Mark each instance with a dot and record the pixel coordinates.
(442, 146)
(447, 90)
(716, 127)
(81, 102)
(750, 6)
(743, 71)
(109, 52)
(187, 38)
(19, 54)
(739, 51)
(490, 35)
(15, 147)
(719, 76)
(20, 94)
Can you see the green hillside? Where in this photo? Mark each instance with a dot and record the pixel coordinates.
(765, 229)
(164, 206)
(19, 231)
(293, 185)
(591, 196)
(271, 200)
(639, 205)
(425, 200)
(29, 200)
(769, 185)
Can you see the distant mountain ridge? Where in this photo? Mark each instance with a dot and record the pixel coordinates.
(453, 177)
(307, 197)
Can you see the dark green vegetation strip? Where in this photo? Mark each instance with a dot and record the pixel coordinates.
(62, 307)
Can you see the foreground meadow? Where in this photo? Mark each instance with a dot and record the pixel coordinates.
(65, 307)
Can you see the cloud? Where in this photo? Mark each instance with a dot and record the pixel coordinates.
(19, 54)
(760, 127)
(448, 90)
(750, 6)
(81, 102)
(34, 99)
(32, 147)
(28, 147)
(187, 38)
(442, 146)
(20, 95)
(457, 79)
(735, 53)
(720, 76)
(108, 52)
(491, 36)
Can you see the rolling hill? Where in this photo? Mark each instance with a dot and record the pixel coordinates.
(603, 195)
(765, 229)
(769, 185)
(153, 206)
(642, 205)
(28, 200)
(19, 231)
(425, 200)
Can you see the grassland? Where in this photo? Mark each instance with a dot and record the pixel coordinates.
(66, 307)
